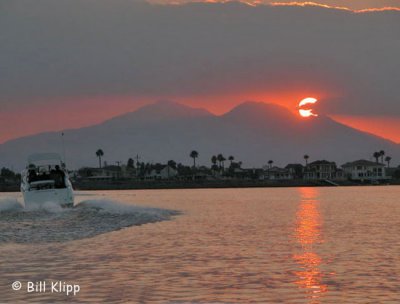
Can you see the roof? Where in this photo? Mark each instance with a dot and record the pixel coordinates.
(362, 162)
(277, 170)
(322, 162)
(42, 157)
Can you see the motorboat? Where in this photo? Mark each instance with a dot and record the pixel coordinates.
(46, 179)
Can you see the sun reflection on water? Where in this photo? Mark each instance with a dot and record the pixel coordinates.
(308, 233)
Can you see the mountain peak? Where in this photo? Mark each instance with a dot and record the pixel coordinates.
(259, 111)
(166, 109)
(162, 110)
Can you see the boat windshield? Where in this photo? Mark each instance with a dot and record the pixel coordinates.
(46, 176)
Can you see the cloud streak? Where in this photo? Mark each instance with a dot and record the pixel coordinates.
(344, 8)
(354, 5)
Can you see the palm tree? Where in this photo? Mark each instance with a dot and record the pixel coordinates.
(306, 157)
(223, 163)
(172, 164)
(214, 160)
(231, 159)
(388, 159)
(131, 163)
(99, 154)
(194, 154)
(270, 162)
(376, 155)
(221, 160)
(382, 154)
(214, 164)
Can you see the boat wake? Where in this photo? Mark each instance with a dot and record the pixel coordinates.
(48, 222)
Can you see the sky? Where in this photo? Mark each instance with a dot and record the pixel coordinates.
(73, 63)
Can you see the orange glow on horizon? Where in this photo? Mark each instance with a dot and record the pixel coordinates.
(219, 105)
(386, 127)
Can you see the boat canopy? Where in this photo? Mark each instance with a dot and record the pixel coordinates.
(47, 158)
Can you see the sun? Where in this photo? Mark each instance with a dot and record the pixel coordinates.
(305, 110)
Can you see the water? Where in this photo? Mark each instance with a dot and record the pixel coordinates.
(271, 245)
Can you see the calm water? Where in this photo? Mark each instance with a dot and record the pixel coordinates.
(296, 245)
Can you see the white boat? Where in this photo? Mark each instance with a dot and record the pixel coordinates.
(46, 179)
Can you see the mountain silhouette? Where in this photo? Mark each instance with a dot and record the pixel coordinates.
(253, 132)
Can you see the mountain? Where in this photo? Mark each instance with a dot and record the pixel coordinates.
(252, 132)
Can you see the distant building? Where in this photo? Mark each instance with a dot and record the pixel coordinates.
(320, 170)
(297, 170)
(364, 170)
(276, 173)
(107, 172)
(253, 173)
(112, 171)
(161, 172)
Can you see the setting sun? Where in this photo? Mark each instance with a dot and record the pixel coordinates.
(304, 110)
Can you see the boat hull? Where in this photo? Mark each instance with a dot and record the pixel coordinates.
(63, 197)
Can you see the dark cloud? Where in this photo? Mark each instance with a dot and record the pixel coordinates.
(98, 47)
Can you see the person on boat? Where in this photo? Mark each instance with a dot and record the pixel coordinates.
(32, 176)
(59, 177)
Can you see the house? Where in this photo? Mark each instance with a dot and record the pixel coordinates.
(276, 173)
(105, 173)
(112, 171)
(364, 170)
(320, 169)
(248, 173)
(297, 170)
(128, 172)
(161, 172)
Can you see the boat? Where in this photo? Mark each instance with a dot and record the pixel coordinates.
(46, 179)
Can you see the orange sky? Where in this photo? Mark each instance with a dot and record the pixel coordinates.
(387, 127)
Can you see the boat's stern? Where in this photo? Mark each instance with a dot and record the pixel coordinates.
(62, 197)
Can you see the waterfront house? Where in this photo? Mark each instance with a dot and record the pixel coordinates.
(297, 170)
(364, 170)
(320, 170)
(276, 173)
(161, 172)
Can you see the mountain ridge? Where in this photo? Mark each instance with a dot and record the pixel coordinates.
(253, 132)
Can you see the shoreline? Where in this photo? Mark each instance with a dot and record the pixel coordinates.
(214, 184)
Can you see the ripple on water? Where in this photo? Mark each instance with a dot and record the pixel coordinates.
(51, 223)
